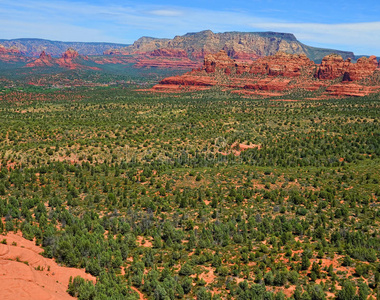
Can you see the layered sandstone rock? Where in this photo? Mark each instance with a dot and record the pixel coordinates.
(179, 53)
(363, 68)
(269, 84)
(279, 74)
(282, 64)
(166, 63)
(44, 60)
(186, 80)
(238, 45)
(70, 54)
(351, 89)
(11, 50)
(11, 54)
(163, 58)
(218, 61)
(332, 67)
(70, 59)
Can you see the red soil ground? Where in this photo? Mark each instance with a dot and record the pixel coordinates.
(26, 274)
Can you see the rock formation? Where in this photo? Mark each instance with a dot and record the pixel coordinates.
(332, 66)
(70, 59)
(238, 45)
(179, 53)
(218, 61)
(70, 54)
(278, 74)
(282, 64)
(45, 60)
(11, 55)
(33, 47)
(363, 68)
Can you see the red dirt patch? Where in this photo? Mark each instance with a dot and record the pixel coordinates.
(25, 274)
(143, 242)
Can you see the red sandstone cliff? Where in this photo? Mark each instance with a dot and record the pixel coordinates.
(163, 58)
(217, 61)
(332, 66)
(45, 60)
(278, 74)
(363, 68)
(11, 54)
(69, 60)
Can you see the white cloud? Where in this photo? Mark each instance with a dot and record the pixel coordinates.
(166, 13)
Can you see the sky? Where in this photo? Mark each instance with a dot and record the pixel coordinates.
(339, 24)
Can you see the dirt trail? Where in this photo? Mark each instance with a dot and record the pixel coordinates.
(141, 295)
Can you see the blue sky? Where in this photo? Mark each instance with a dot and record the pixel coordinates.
(345, 25)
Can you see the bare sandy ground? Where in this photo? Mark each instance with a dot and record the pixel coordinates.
(25, 274)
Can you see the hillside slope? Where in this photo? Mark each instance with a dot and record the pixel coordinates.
(33, 47)
(238, 45)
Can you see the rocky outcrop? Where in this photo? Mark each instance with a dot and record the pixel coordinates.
(280, 64)
(33, 47)
(116, 52)
(11, 55)
(283, 64)
(238, 45)
(159, 58)
(70, 59)
(269, 84)
(178, 53)
(12, 50)
(166, 63)
(332, 67)
(189, 80)
(70, 54)
(279, 74)
(363, 68)
(351, 89)
(45, 60)
(218, 61)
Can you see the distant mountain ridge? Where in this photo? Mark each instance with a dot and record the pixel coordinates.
(34, 47)
(238, 45)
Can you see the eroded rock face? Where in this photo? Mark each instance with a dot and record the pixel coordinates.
(282, 64)
(279, 74)
(70, 54)
(44, 60)
(238, 45)
(11, 54)
(332, 67)
(163, 58)
(4, 50)
(169, 53)
(189, 80)
(363, 68)
(69, 60)
(218, 61)
(351, 89)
